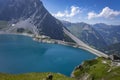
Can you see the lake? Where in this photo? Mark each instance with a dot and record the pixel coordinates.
(21, 54)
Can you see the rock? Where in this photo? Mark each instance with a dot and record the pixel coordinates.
(49, 77)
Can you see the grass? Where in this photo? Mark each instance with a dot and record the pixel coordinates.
(98, 70)
(33, 76)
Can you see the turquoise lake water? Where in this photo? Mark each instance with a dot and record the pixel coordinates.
(20, 54)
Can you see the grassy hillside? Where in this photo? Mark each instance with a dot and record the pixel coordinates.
(33, 76)
(98, 69)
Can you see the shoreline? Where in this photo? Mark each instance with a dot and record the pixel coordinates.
(32, 36)
(46, 39)
(60, 42)
(23, 34)
(50, 41)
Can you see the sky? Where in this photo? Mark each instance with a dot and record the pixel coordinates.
(89, 11)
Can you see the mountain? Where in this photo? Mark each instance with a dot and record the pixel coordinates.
(86, 33)
(29, 16)
(110, 33)
(99, 35)
(112, 49)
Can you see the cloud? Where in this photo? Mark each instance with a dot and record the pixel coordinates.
(92, 15)
(68, 13)
(105, 13)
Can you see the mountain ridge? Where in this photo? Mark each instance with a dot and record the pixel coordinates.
(31, 16)
(97, 35)
(87, 34)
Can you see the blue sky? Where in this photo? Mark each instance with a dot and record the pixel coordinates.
(89, 11)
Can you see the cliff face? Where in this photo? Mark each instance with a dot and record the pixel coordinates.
(30, 15)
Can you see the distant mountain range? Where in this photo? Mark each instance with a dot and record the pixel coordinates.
(110, 33)
(98, 36)
(29, 16)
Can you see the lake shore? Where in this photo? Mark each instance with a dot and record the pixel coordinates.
(44, 39)
(53, 54)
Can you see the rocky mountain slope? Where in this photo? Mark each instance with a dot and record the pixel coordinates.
(112, 49)
(110, 33)
(86, 33)
(30, 16)
(98, 35)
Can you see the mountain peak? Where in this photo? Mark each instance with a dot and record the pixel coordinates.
(18, 8)
(32, 15)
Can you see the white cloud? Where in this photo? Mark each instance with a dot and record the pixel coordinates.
(105, 13)
(92, 15)
(73, 11)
